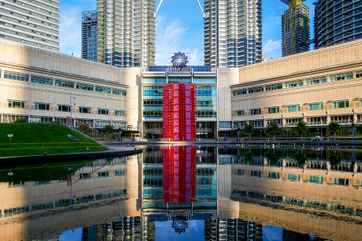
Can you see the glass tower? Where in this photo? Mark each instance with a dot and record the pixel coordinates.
(233, 32)
(337, 22)
(295, 27)
(31, 22)
(126, 32)
(89, 35)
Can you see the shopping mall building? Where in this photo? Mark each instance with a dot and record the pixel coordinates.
(317, 87)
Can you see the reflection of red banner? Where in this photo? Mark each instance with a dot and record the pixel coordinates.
(179, 116)
(179, 174)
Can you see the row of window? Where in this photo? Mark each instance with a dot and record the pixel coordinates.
(315, 120)
(294, 177)
(158, 91)
(199, 114)
(61, 203)
(178, 80)
(298, 83)
(338, 104)
(118, 173)
(285, 200)
(44, 80)
(19, 104)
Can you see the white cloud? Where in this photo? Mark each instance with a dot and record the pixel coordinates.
(70, 30)
(172, 36)
(272, 48)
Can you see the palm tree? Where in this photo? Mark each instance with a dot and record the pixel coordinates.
(249, 130)
(333, 129)
(302, 129)
(272, 129)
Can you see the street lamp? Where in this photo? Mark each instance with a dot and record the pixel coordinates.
(10, 136)
(72, 105)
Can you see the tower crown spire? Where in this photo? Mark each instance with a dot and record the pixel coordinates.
(293, 3)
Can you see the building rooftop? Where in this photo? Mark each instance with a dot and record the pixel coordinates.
(166, 68)
(313, 61)
(14, 53)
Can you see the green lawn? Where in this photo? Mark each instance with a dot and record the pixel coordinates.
(33, 139)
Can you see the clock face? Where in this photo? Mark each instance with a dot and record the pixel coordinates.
(179, 60)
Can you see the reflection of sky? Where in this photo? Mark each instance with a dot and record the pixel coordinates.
(271, 233)
(195, 231)
(71, 235)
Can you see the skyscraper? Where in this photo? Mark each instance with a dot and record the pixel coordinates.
(31, 22)
(233, 32)
(89, 35)
(126, 32)
(337, 22)
(295, 27)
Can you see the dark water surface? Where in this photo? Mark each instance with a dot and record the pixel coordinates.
(188, 193)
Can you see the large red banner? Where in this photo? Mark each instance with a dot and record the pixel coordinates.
(179, 174)
(179, 112)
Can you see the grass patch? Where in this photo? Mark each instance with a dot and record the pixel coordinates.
(38, 139)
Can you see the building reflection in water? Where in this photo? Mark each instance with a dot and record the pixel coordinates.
(179, 174)
(188, 193)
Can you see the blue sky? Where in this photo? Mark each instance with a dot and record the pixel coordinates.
(179, 28)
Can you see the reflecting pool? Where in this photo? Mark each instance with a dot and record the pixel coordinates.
(188, 193)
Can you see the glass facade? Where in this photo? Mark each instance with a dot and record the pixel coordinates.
(152, 104)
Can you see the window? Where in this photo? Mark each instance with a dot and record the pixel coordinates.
(179, 80)
(152, 91)
(339, 104)
(274, 87)
(85, 110)
(119, 92)
(43, 80)
(204, 81)
(154, 81)
(16, 76)
(240, 113)
(225, 124)
(204, 103)
(294, 84)
(359, 74)
(254, 173)
(239, 172)
(273, 110)
(205, 91)
(152, 114)
(103, 89)
(103, 111)
(340, 181)
(103, 174)
(120, 172)
(64, 83)
(293, 177)
(315, 179)
(316, 106)
(41, 106)
(274, 175)
(255, 111)
(152, 103)
(293, 108)
(206, 114)
(317, 81)
(256, 89)
(64, 108)
(86, 87)
(19, 104)
(343, 76)
(240, 92)
(119, 113)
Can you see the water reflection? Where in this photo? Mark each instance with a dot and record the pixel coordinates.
(188, 193)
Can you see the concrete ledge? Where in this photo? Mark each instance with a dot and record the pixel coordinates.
(258, 142)
(68, 157)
